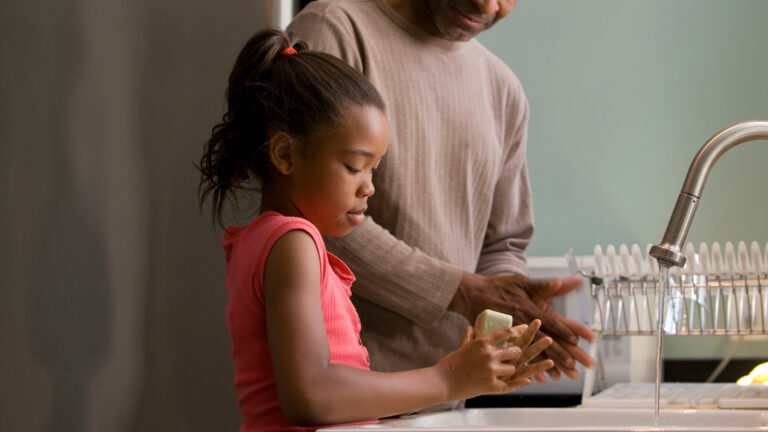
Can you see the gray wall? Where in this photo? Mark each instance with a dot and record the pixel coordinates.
(622, 95)
(111, 316)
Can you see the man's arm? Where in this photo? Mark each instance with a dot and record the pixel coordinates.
(510, 223)
(418, 286)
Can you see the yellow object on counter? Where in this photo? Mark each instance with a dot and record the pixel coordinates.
(759, 375)
(490, 320)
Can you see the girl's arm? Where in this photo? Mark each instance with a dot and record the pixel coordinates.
(313, 391)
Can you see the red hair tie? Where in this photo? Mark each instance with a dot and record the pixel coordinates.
(288, 51)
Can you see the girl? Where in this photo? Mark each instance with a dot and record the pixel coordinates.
(307, 131)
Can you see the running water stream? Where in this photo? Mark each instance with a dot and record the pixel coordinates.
(660, 294)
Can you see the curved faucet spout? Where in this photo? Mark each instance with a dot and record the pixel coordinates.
(669, 252)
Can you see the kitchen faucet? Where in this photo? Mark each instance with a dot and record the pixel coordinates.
(669, 252)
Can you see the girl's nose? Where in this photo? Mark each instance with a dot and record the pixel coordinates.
(366, 188)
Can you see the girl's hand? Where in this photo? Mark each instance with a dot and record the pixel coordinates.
(478, 367)
(529, 351)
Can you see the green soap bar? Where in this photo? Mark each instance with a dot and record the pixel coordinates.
(490, 320)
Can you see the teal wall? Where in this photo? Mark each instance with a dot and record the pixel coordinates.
(622, 95)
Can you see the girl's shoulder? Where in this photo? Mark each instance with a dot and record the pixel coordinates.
(265, 230)
(272, 221)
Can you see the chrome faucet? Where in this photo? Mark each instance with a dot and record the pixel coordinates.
(669, 252)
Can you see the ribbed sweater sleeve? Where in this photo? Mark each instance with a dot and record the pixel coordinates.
(510, 225)
(418, 286)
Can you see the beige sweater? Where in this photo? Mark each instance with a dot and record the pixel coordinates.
(452, 192)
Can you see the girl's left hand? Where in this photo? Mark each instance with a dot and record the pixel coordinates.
(524, 370)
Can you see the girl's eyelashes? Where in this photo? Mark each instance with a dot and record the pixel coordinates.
(352, 170)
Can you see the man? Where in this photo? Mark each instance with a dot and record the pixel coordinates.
(452, 213)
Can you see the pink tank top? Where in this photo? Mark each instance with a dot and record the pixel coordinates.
(246, 250)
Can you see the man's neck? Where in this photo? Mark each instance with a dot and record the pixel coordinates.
(415, 12)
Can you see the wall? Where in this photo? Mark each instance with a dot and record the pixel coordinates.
(622, 95)
(112, 311)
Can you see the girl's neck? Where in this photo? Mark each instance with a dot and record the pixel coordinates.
(274, 199)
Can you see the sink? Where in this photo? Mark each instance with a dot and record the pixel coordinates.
(572, 419)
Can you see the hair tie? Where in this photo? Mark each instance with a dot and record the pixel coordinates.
(288, 51)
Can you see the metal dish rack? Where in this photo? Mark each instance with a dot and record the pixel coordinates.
(717, 292)
(713, 294)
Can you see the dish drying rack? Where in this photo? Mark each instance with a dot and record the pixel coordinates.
(715, 293)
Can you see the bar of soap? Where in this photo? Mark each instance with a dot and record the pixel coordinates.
(490, 320)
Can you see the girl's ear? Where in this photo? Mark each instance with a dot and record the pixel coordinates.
(281, 146)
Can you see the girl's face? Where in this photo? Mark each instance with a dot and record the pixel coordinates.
(330, 187)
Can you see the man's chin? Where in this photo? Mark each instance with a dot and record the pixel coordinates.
(460, 35)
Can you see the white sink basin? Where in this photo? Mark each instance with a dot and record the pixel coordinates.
(572, 419)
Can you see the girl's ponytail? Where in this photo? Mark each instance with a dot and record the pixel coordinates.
(236, 153)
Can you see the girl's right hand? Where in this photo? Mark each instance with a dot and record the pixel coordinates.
(479, 367)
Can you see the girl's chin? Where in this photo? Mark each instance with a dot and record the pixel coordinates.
(342, 226)
(339, 229)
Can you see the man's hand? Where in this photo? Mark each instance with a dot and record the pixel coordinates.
(526, 299)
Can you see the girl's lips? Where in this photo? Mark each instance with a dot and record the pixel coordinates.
(356, 217)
